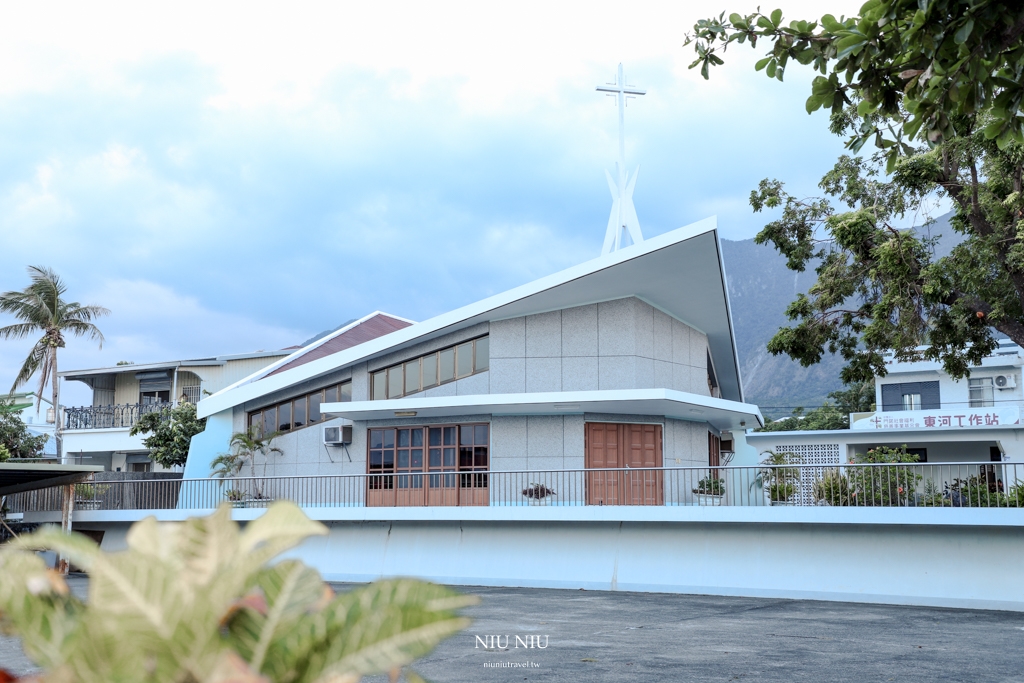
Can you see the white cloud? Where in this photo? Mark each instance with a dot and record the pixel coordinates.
(226, 173)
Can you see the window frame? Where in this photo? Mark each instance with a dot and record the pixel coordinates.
(984, 385)
(396, 374)
(383, 478)
(915, 402)
(256, 418)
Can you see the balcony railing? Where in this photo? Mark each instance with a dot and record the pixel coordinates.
(122, 416)
(954, 485)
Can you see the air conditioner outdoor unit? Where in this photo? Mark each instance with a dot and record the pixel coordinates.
(338, 435)
(1006, 381)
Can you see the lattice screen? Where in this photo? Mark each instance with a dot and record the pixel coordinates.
(825, 454)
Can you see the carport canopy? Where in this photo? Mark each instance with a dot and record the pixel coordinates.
(19, 477)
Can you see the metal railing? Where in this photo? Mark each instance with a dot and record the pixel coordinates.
(951, 485)
(121, 416)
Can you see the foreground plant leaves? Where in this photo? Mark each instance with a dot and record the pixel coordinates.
(196, 601)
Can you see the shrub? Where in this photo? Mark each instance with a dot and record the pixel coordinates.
(710, 486)
(975, 492)
(200, 602)
(884, 486)
(779, 481)
(87, 491)
(832, 488)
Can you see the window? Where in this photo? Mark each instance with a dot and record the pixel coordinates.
(420, 462)
(417, 374)
(980, 392)
(911, 396)
(298, 412)
(148, 398)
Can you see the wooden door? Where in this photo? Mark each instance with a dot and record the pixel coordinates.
(642, 450)
(611, 445)
(603, 449)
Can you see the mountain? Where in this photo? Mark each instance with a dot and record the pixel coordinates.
(760, 289)
(323, 334)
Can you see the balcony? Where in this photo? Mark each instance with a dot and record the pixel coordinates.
(108, 417)
(946, 485)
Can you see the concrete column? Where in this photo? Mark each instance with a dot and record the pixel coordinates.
(67, 508)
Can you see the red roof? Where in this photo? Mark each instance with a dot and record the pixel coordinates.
(375, 326)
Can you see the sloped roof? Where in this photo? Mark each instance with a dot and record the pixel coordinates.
(679, 272)
(375, 325)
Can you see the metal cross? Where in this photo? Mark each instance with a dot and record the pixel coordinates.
(623, 215)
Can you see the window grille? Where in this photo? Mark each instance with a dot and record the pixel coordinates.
(981, 392)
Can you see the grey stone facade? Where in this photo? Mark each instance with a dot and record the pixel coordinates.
(620, 344)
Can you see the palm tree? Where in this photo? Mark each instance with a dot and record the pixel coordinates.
(41, 307)
(246, 448)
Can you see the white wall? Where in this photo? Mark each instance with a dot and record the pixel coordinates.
(950, 565)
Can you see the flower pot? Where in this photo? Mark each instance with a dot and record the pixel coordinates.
(237, 503)
(546, 500)
(88, 504)
(774, 503)
(258, 503)
(709, 498)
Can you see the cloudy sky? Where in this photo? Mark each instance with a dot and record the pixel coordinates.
(228, 177)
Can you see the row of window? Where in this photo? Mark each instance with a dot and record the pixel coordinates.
(431, 370)
(440, 453)
(298, 412)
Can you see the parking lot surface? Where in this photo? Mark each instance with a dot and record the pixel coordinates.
(522, 634)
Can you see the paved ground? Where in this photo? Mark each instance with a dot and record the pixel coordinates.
(598, 636)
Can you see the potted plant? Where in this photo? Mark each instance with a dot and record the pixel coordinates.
(236, 497)
(832, 488)
(87, 496)
(538, 494)
(779, 480)
(710, 491)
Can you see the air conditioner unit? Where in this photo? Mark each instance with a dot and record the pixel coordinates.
(338, 435)
(1006, 381)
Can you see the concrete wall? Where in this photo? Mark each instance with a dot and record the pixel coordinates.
(853, 555)
(620, 344)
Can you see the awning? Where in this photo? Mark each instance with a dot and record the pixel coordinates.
(19, 477)
(720, 413)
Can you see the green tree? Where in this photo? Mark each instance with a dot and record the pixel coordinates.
(16, 440)
(171, 431)
(41, 307)
(833, 414)
(937, 88)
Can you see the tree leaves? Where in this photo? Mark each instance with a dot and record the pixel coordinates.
(171, 431)
(197, 602)
(919, 67)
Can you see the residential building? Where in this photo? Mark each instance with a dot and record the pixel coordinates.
(938, 418)
(98, 433)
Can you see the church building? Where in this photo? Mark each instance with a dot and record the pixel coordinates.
(627, 360)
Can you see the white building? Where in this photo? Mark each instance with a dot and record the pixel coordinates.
(627, 360)
(458, 423)
(942, 420)
(98, 434)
